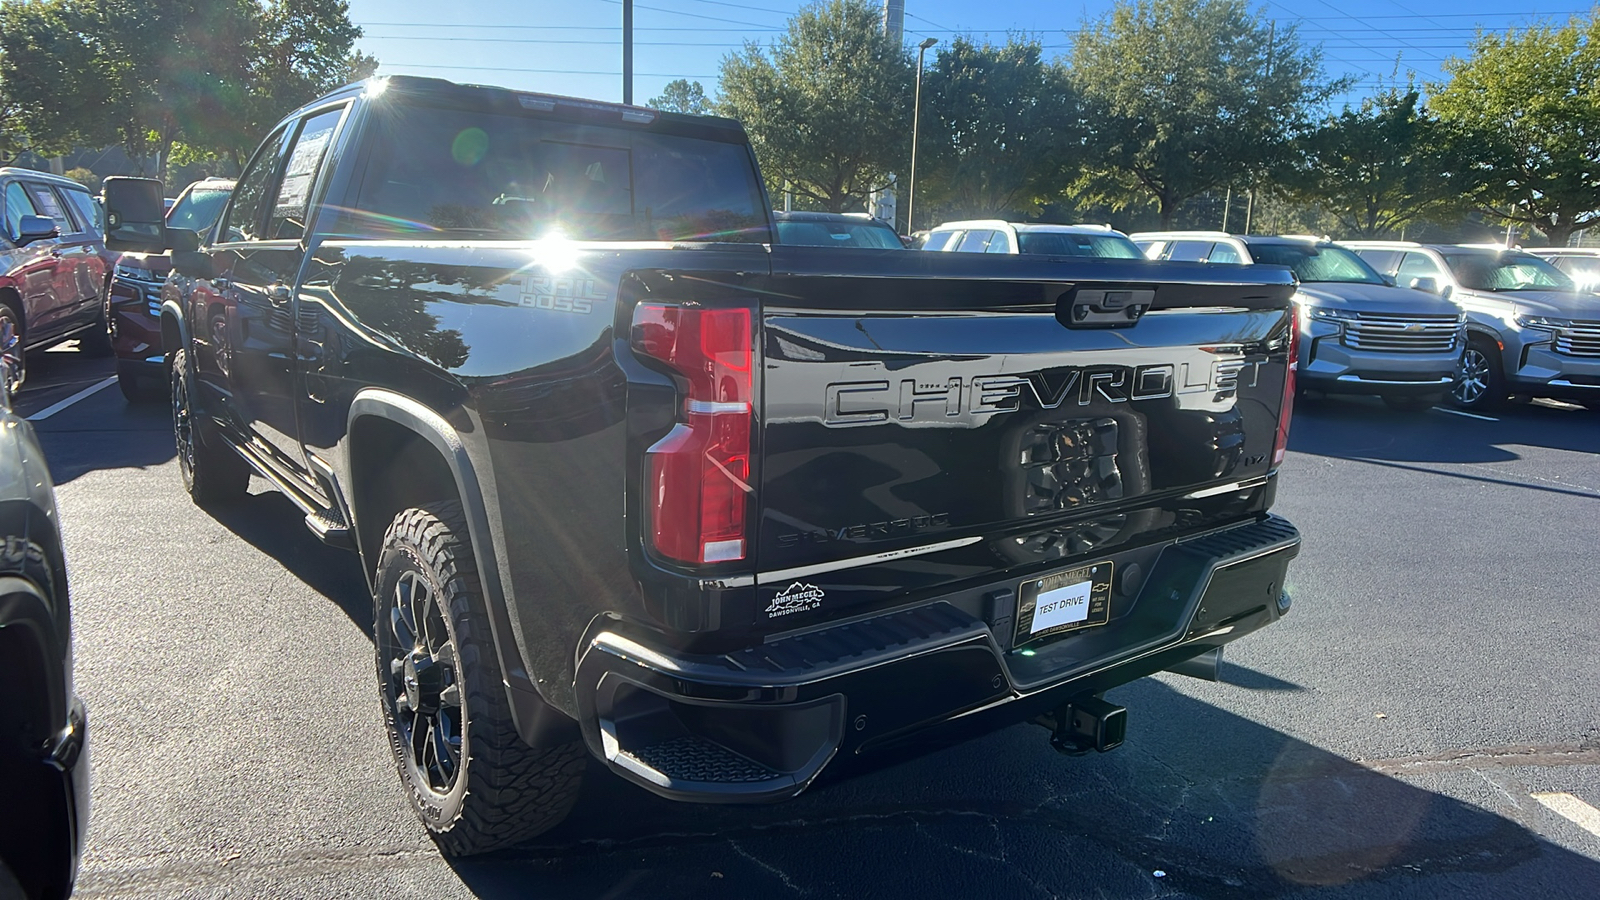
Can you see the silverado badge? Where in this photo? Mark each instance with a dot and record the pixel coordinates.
(795, 598)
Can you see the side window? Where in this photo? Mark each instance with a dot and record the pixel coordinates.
(1001, 243)
(88, 211)
(290, 209)
(1189, 251)
(1151, 249)
(48, 204)
(242, 222)
(1224, 254)
(975, 241)
(936, 240)
(17, 206)
(1415, 265)
(1385, 261)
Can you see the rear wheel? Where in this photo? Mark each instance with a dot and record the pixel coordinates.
(15, 367)
(1479, 383)
(213, 473)
(471, 779)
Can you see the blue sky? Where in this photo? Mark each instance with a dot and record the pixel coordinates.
(574, 47)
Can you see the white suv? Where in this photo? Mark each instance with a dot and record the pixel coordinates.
(996, 236)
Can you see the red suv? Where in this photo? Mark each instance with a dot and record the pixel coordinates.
(52, 266)
(135, 310)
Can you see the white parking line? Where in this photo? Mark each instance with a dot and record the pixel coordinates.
(1457, 412)
(1571, 808)
(54, 408)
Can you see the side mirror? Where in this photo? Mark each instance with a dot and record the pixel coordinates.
(135, 215)
(193, 263)
(183, 240)
(1426, 283)
(35, 228)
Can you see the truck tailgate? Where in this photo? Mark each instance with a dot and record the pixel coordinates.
(938, 407)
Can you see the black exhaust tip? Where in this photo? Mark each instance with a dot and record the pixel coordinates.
(1087, 723)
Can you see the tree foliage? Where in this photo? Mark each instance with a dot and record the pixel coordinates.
(1188, 95)
(828, 106)
(1526, 107)
(207, 75)
(999, 129)
(683, 96)
(1378, 167)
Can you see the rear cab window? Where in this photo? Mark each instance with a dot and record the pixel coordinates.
(453, 172)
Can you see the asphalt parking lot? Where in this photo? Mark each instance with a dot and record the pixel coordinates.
(1423, 724)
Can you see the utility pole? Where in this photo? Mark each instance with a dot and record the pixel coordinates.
(627, 51)
(916, 116)
(1225, 204)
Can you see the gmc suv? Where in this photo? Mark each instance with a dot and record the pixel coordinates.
(629, 479)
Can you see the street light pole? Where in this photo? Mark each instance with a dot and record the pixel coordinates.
(916, 115)
(627, 52)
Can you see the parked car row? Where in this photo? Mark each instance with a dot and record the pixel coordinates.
(1404, 321)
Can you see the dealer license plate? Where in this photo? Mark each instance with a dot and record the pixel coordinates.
(1066, 601)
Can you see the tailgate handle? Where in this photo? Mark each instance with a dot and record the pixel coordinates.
(1104, 307)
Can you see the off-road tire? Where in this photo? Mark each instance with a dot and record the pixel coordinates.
(502, 791)
(213, 474)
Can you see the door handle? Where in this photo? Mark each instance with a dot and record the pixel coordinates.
(279, 293)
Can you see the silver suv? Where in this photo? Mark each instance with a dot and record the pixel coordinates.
(1531, 330)
(1360, 334)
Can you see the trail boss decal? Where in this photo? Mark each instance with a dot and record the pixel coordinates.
(564, 294)
(795, 598)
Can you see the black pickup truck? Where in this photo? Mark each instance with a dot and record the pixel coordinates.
(630, 479)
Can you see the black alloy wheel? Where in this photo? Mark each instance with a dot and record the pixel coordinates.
(422, 685)
(472, 780)
(1478, 383)
(213, 473)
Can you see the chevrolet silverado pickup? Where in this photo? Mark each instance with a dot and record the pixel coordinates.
(630, 478)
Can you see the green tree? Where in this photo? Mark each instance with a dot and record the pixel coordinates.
(682, 96)
(1526, 107)
(828, 106)
(999, 129)
(53, 88)
(1189, 95)
(1378, 167)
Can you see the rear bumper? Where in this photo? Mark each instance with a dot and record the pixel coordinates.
(764, 723)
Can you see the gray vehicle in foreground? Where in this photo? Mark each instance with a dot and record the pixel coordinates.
(1360, 332)
(1530, 329)
(44, 761)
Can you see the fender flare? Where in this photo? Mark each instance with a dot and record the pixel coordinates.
(539, 723)
(170, 309)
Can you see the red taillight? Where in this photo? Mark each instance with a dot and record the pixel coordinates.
(1281, 444)
(699, 474)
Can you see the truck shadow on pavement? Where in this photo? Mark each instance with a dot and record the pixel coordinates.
(106, 435)
(1363, 428)
(1199, 803)
(276, 527)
